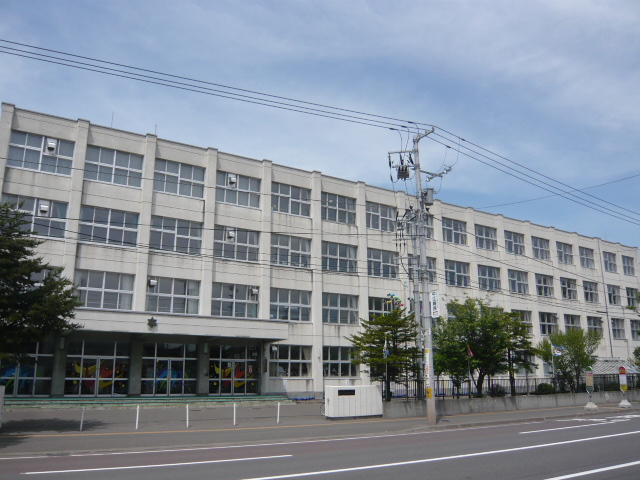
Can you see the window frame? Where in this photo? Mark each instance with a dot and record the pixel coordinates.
(343, 209)
(489, 278)
(569, 288)
(290, 199)
(296, 301)
(571, 322)
(544, 285)
(184, 236)
(628, 265)
(610, 262)
(61, 163)
(518, 282)
(613, 295)
(103, 219)
(618, 329)
(381, 217)
(541, 248)
(108, 166)
(486, 237)
(565, 253)
(339, 308)
(155, 294)
(297, 251)
(514, 242)
(381, 267)
(53, 219)
(86, 286)
(594, 324)
(333, 259)
(591, 292)
(548, 323)
(241, 299)
(587, 258)
(338, 359)
(457, 273)
(285, 360)
(454, 231)
(176, 173)
(237, 244)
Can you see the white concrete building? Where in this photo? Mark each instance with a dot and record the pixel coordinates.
(207, 273)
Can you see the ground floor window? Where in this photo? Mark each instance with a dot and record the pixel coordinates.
(233, 370)
(336, 362)
(169, 369)
(32, 375)
(96, 368)
(290, 361)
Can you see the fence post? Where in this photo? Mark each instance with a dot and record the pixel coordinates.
(187, 415)
(82, 419)
(234, 414)
(137, 415)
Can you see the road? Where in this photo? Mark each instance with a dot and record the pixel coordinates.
(603, 447)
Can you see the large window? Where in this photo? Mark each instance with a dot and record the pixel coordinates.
(544, 285)
(382, 263)
(548, 322)
(96, 367)
(486, 237)
(525, 317)
(339, 257)
(290, 199)
(107, 290)
(291, 251)
(610, 264)
(518, 282)
(594, 324)
(103, 225)
(457, 273)
(632, 297)
(454, 231)
(337, 208)
(381, 217)
(590, 292)
(586, 257)
(237, 189)
(571, 322)
(32, 375)
(294, 305)
(514, 242)
(431, 270)
(237, 301)
(235, 244)
(565, 252)
(540, 248)
(172, 295)
(178, 178)
(175, 235)
(290, 361)
(568, 288)
(44, 217)
(635, 329)
(379, 306)
(113, 166)
(169, 368)
(339, 308)
(336, 362)
(37, 152)
(628, 265)
(613, 294)
(488, 278)
(617, 328)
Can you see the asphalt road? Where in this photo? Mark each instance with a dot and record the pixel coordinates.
(603, 447)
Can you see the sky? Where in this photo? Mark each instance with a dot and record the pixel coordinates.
(550, 85)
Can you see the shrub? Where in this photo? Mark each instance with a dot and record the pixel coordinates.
(544, 389)
(611, 386)
(497, 390)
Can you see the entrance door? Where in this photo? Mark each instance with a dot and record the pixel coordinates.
(233, 377)
(96, 376)
(169, 376)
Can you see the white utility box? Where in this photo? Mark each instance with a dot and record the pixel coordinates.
(357, 401)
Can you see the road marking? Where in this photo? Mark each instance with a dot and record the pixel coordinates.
(597, 470)
(440, 459)
(158, 465)
(564, 428)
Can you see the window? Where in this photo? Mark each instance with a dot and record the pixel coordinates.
(290, 199)
(290, 361)
(428, 226)
(610, 262)
(518, 282)
(617, 328)
(613, 293)
(172, 295)
(175, 235)
(594, 324)
(628, 265)
(382, 263)
(586, 257)
(590, 292)
(457, 273)
(294, 305)
(107, 290)
(44, 217)
(431, 270)
(514, 242)
(36, 152)
(339, 257)
(113, 166)
(565, 253)
(488, 278)
(548, 322)
(32, 375)
(235, 244)
(486, 237)
(237, 301)
(103, 225)
(454, 231)
(178, 178)
(544, 285)
(571, 322)
(291, 251)
(568, 288)
(525, 317)
(171, 368)
(337, 208)
(632, 297)
(381, 217)
(339, 308)
(379, 306)
(635, 329)
(540, 248)
(237, 189)
(336, 362)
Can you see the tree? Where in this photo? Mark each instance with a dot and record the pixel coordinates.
(636, 356)
(399, 332)
(29, 309)
(481, 338)
(575, 354)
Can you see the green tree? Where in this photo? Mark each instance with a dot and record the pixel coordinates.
(29, 309)
(399, 331)
(498, 341)
(577, 349)
(636, 356)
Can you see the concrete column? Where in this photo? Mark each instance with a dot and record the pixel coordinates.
(317, 279)
(59, 365)
(202, 368)
(5, 135)
(135, 367)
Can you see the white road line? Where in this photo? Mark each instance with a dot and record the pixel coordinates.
(158, 465)
(597, 470)
(439, 459)
(564, 428)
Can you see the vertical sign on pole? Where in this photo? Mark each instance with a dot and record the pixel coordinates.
(623, 387)
(589, 382)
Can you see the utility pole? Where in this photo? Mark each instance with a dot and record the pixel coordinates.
(418, 220)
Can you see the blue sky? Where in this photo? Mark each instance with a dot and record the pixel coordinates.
(550, 85)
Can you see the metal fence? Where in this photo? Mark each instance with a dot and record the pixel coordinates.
(497, 387)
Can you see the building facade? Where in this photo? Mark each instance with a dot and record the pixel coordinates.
(206, 273)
